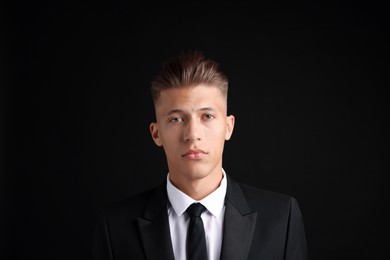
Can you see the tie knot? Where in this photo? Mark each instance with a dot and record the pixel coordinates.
(195, 209)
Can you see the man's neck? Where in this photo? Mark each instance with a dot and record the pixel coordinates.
(197, 188)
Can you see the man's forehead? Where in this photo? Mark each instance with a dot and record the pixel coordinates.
(191, 99)
(190, 91)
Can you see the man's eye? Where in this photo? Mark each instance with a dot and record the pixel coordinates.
(208, 117)
(175, 120)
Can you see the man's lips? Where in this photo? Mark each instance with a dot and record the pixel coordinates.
(194, 154)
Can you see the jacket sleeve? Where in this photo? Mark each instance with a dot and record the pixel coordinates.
(101, 244)
(296, 247)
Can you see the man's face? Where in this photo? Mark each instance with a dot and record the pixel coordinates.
(192, 126)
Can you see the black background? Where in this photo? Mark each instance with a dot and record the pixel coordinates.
(307, 87)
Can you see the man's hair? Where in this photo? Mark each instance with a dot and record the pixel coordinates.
(189, 69)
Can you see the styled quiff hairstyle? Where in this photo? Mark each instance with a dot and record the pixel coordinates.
(189, 69)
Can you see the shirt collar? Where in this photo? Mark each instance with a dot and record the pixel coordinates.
(214, 202)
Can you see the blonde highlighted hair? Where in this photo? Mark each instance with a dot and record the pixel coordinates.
(189, 69)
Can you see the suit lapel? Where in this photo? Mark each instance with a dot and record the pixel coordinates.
(239, 224)
(154, 228)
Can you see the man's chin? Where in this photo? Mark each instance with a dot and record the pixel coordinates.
(198, 173)
(193, 172)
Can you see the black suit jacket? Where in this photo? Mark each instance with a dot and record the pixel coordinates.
(258, 224)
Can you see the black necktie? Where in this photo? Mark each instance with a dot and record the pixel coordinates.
(196, 241)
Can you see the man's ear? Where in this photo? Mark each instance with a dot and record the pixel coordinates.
(230, 120)
(155, 133)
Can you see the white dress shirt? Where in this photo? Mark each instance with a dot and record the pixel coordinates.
(212, 219)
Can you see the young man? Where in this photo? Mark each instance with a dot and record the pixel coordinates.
(237, 222)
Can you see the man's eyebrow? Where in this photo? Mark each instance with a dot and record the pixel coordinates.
(174, 111)
(207, 109)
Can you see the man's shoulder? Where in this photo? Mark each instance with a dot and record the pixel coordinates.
(264, 193)
(130, 205)
(261, 198)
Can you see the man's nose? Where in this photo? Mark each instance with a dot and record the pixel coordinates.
(192, 132)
